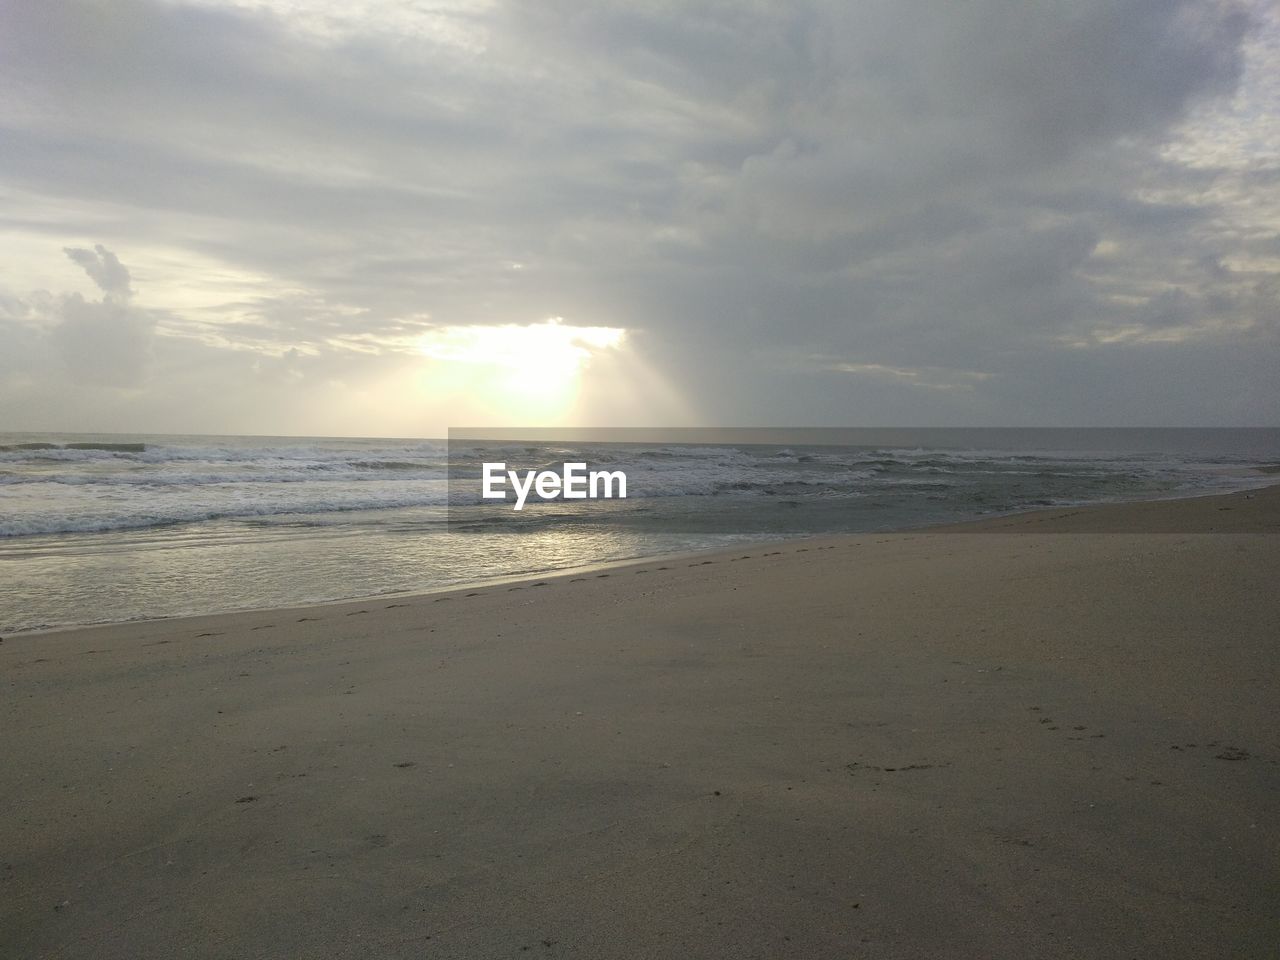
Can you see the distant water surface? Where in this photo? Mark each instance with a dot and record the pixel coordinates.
(117, 527)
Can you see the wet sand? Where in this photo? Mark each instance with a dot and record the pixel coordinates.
(1031, 740)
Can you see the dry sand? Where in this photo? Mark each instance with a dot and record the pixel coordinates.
(1010, 743)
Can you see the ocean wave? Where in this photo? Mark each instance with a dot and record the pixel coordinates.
(331, 474)
(137, 516)
(82, 451)
(81, 486)
(104, 447)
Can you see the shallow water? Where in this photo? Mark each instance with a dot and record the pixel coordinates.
(117, 527)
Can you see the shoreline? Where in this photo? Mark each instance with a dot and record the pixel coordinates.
(1002, 522)
(1038, 744)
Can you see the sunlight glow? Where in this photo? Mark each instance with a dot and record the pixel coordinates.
(548, 350)
(531, 369)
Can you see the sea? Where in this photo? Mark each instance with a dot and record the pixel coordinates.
(102, 528)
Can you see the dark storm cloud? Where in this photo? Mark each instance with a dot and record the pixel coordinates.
(785, 201)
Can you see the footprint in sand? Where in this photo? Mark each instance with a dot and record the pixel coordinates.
(900, 768)
(1079, 728)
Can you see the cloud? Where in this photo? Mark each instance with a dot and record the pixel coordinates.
(917, 377)
(105, 342)
(104, 269)
(988, 192)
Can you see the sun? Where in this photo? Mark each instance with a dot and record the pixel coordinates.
(533, 370)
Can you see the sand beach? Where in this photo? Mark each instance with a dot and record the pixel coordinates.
(1051, 735)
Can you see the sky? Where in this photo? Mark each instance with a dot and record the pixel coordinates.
(353, 217)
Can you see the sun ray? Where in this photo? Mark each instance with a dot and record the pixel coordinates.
(529, 373)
